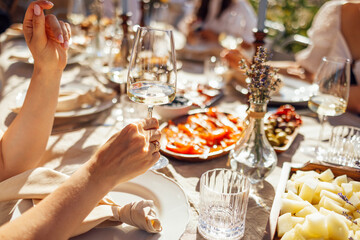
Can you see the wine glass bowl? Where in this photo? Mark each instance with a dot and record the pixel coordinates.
(76, 12)
(332, 81)
(152, 72)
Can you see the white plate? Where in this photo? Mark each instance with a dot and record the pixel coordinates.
(98, 107)
(170, 201)
(293, 91)
(24, 55)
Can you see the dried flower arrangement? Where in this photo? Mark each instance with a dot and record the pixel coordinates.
(263, 79)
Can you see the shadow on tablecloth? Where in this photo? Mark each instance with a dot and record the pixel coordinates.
(259, 206)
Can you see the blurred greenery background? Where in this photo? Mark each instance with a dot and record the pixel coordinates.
(295, 15)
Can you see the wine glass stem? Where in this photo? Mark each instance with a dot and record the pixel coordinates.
(322, 119)
(150, 109)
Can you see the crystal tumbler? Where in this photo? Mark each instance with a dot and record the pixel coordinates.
(224, 198)
(345, 146)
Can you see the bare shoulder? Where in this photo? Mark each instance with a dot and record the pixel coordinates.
(349, 9)
(350, 15)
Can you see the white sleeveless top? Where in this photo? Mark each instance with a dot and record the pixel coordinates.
(239, 19)
(327, 39)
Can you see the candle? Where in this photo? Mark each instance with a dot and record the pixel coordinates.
(261, 15)
(124, 6)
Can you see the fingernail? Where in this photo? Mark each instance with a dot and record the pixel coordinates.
(61, 38)
(37, 10)
(66, 44)
(48, 2)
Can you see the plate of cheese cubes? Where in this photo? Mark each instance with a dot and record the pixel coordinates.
(316, 201)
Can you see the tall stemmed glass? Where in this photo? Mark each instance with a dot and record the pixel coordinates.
(152, 71)
(333, 83)
(76, 11)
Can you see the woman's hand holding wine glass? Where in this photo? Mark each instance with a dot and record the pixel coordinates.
(152, 72)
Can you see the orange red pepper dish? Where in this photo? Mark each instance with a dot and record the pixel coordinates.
(203, 133)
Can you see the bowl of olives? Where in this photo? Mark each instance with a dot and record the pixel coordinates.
(282, 126)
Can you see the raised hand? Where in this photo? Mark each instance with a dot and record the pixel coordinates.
(47, 37)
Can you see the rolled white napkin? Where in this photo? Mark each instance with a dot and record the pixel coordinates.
(37, 183)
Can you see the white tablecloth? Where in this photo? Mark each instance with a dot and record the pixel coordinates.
(67, 151)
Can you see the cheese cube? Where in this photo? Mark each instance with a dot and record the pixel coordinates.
(297, 220)
(357, 235)
(291, 186)
(332, 196)
(340, 179)
(292, 206)
(356, 214)
(337, 228)
(307, 192)
(356, 186)
(351, 234)
(329, 187)
(293, 196)
(331, 205)
(284, 224)
(349, 207)
(324, 198)
(292, 235)
(315, 226)
(355, 200)
(306, 174)
(326, 212)
(326, 176)
(306, 211)
(348, 189)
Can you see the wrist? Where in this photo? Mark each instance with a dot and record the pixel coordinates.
(98, 177)
(40, 69)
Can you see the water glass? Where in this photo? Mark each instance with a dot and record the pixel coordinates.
(345, 146)
(224, 196)
(214, 69)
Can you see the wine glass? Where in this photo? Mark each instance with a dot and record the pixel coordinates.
(152, 74)
(76, 11)
(332, 81)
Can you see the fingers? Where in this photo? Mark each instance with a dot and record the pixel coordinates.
(155, 136)
(54, 29)
(154, 146)
(34, 25)
(150, 123)
(65, 34)
(155, 157)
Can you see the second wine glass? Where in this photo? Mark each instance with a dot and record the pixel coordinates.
(333, 83)
(152, 71)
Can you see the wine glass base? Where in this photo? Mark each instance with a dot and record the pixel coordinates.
(316, 153)
(161, 163)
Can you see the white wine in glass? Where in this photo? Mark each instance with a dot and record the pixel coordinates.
(152, 71)
(333, 85)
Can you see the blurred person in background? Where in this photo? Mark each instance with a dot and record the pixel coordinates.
(334, 32)
(7, 8)
(212, 17)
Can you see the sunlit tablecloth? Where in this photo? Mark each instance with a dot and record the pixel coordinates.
(66, 151)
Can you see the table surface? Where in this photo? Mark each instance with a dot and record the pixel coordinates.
(67, 150)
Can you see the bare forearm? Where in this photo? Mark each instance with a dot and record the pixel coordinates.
(59, 214)
(354, 99)
(32, 127)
